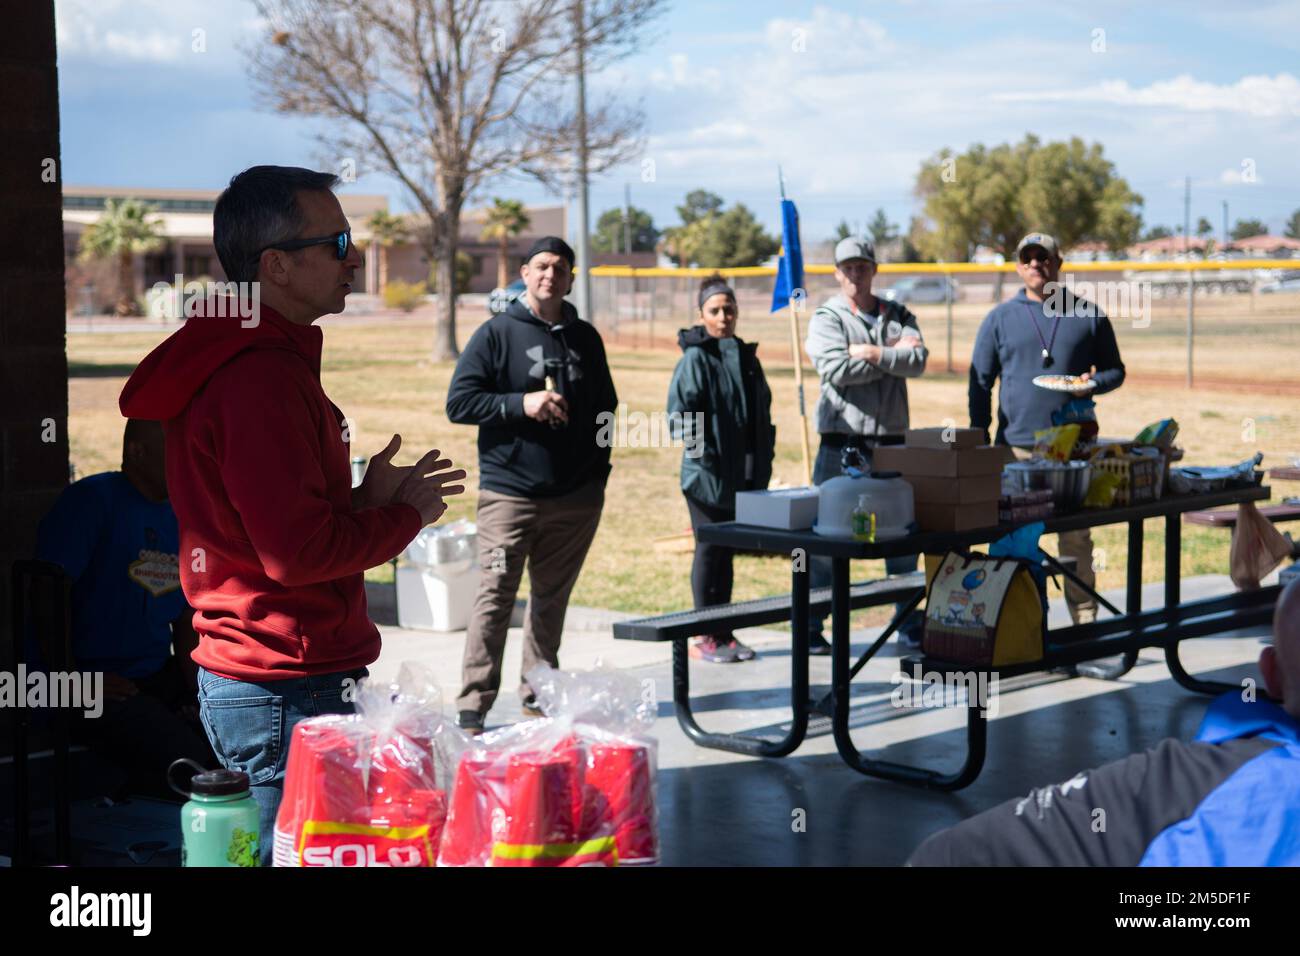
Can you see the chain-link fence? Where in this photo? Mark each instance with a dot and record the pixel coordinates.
(1241, 323)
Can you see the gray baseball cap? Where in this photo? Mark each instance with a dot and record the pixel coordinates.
(1040, 239)
(854, 247)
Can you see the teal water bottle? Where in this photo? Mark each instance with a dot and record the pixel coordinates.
(219, 824)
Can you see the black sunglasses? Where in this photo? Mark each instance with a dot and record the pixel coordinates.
(340, 240)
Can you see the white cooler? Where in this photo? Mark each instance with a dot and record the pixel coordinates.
(437, 578)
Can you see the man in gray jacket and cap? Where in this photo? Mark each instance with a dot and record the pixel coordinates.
(865, 349)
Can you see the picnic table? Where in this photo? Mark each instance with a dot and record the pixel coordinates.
(1128, 632)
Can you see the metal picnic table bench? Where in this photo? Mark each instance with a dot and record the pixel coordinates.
(1127, 633)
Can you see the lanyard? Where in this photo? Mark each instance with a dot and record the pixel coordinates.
(1047, 345)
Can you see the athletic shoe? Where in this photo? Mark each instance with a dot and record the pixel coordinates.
(470, 721)
(710, 649)
(531, 707)
(818, 646)
(743, 652)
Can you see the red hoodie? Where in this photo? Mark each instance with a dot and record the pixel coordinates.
(272, 554)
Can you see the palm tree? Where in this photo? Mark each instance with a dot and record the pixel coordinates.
(123, 232)
(386, 230)
(504, 220)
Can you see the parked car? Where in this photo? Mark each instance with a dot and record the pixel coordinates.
(1286, 282)
(923, 289)
(499, 299)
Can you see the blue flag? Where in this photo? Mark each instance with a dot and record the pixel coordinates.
(789, 271)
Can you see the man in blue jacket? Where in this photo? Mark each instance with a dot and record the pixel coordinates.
(535, 381)
(1042, 330)
(1229, 798)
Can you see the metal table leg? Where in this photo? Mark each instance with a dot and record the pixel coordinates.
(1173, 600)
(841, 678)
(1132, 610)
(747, 743)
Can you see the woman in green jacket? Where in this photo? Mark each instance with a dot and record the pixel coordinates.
(721, 395)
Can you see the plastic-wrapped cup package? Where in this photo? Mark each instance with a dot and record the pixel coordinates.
(623, 774)
(576, 788)
(361, 790)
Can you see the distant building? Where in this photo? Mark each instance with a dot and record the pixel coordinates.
(1280, 247)
(186, 216)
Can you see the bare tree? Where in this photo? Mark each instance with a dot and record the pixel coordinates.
(447, 95)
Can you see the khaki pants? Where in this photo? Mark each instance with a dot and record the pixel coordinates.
(552, 536)
(1077, 545)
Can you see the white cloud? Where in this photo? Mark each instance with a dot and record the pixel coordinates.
(1260, 96)
(150, 31)
(828, 35)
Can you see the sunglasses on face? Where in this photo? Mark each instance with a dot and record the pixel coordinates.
(341, 241)
(1029, 255)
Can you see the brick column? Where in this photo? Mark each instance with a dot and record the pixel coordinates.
(33, 360)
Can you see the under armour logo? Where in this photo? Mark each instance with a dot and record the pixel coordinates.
(570, 366)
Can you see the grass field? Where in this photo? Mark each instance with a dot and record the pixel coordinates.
(378, 373)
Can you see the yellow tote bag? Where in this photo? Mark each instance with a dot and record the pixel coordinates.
(982, 611)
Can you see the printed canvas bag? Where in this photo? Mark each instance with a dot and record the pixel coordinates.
(983, 611)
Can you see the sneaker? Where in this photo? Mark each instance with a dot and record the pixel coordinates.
(909, 641)
(470, 721)
(743, 652)
(531, 708)
(818, 646)
(713, 651)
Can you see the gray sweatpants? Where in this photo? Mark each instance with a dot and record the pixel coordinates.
(550, 535)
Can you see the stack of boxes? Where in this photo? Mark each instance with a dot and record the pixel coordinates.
(956, 481)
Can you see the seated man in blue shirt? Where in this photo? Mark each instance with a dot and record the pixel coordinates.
(1231, 797)
(115, 535)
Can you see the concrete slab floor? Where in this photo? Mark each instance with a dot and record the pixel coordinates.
(810, 809)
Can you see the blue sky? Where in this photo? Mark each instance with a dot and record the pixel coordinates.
(847, 97)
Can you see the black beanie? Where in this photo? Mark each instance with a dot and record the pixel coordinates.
(552, 244)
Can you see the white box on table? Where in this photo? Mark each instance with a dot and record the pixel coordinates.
(792, 509)
(433, 603)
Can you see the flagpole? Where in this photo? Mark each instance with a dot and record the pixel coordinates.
(796, 306)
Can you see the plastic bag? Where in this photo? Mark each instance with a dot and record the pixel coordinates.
(446, 550)
(363, 789)
(575, 788)
(1257, 547)
(1057, 443)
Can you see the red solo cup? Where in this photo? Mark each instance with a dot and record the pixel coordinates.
(397, 767)
(323, 777)
(476, 803)
(620, 773)
(542, 794)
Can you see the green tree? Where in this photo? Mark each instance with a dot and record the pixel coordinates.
(842, 231)
(992, 197)
(386, 231)
(726, 240)
(123, 232)
(608, 236)
(881, 229)
(1245, 228)
(698, 204)
(506, 219)
(1204, 228)
(1157, 232)
(1292, 230)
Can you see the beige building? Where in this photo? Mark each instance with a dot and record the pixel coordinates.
(186, 216)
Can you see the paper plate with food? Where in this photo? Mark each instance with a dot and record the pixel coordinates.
(1064, 383)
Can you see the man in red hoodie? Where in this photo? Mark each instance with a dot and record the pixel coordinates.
(273, 539)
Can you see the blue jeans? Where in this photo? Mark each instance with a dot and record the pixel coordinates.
(250, 726)
(827, 466)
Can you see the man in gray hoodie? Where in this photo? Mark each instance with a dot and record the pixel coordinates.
(865, 349)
